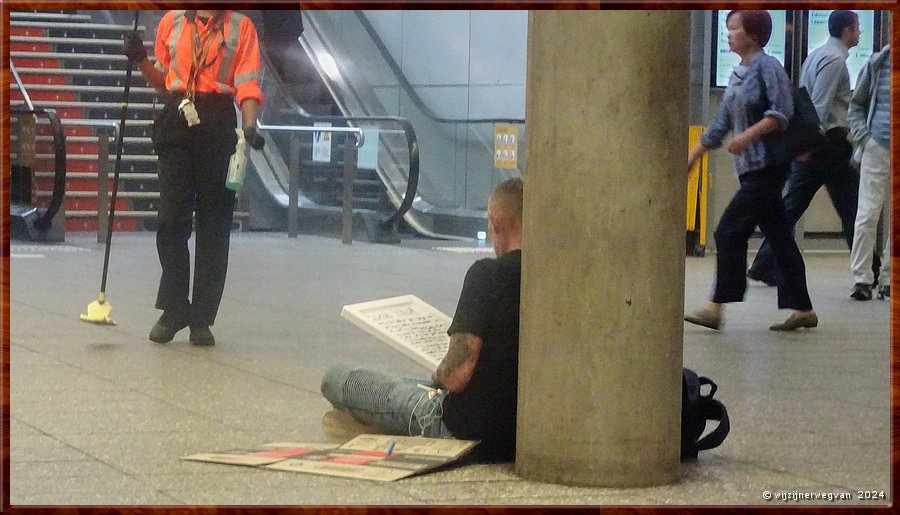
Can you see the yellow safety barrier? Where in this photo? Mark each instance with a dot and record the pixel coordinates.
(698, 187)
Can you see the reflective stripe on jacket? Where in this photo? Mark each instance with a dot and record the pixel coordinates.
(232, 65)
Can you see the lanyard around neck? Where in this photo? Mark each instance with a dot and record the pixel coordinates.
(200, 48)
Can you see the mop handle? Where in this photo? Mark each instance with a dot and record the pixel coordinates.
(119, 144)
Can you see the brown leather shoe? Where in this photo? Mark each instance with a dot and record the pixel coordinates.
(796, 322)
(706, 318)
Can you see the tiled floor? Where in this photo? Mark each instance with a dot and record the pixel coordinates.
(99, 415)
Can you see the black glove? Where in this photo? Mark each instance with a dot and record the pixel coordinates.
(134, 48)
(253, 138)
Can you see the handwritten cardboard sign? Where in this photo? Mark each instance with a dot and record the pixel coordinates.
(406, 323)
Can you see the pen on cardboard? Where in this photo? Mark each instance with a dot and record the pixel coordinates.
(390, 448)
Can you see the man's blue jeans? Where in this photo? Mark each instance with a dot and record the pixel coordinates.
(393, 404)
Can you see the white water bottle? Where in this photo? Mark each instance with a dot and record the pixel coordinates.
(238, 164)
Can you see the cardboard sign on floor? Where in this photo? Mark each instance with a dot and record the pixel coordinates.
(267, 454)
(372, 457)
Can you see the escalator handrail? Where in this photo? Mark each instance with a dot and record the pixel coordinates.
(410, 90)
(59, 177)
(412, 182)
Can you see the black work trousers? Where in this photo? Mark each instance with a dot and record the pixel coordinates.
(193, 163)
(759, 202)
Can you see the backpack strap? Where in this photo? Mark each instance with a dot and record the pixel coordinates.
(703, 380)
(712, 409)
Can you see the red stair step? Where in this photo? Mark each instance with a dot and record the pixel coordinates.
(27, 31)
(69, 130)
(29, 78)
(44, 165)
(35, 62)
(21, 46)
(87, 184)
(90, 204)
(61, 96)
(81, 204)
(46, 147)
(64, 112)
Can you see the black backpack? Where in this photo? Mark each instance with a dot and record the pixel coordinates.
(696, 409)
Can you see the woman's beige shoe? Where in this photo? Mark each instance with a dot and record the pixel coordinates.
(706, 318)
(796, 322)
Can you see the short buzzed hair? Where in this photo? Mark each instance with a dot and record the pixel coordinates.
(507, 196)
(840, 20)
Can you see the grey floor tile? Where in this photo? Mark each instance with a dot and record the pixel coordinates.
(23, 356)
(17, 429)
(49, 471)
(262, 487)
(52, 378)
(83, 401)
(85, 490)
(41, 447)
(159, 453)
(127, 420)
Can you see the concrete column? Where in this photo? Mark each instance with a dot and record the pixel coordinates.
(603, 250)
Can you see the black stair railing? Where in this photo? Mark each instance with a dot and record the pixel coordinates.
(43, 222)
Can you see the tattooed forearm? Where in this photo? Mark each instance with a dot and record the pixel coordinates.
(458, 364)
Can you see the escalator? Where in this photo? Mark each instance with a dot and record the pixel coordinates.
(398, 198)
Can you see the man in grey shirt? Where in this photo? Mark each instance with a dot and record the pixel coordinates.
(825, 77)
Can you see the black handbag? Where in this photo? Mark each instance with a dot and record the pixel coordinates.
(803, 134)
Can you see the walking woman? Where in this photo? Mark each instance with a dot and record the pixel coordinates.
(757, 101)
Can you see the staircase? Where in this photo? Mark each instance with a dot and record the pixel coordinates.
(76, 67)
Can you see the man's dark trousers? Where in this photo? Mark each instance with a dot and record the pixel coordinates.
(193, 163)
(828, 166)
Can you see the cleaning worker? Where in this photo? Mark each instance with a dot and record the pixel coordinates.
(206, 61)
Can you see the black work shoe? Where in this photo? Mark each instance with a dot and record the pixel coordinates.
(884, 291)
(166, 327)
(861, 291)
(201, 336)
(769, 278)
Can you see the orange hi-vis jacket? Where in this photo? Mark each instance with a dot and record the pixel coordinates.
(230, 64)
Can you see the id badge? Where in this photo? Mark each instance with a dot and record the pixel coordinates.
(187, 109)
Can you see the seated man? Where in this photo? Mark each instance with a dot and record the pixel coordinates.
(475, 385)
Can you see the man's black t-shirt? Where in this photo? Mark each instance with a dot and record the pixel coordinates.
(489, 308)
